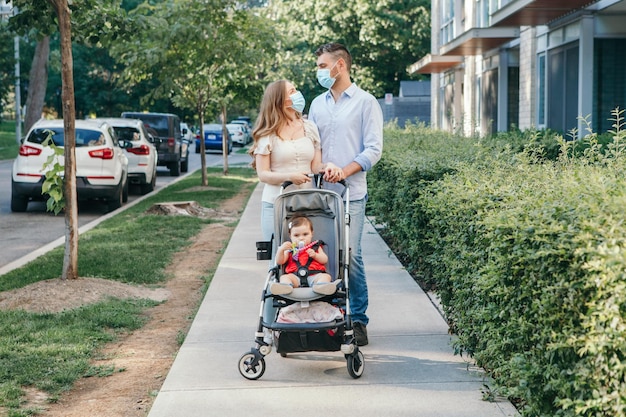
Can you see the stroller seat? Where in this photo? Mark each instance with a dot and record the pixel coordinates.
(304, 294)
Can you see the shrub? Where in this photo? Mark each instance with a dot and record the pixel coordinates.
(526, 253)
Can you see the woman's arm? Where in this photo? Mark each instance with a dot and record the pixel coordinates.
(267, 176)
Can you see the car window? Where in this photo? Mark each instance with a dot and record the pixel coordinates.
(84, 137)
(126, 133)
(155, 122)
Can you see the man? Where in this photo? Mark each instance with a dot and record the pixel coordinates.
(350, 122)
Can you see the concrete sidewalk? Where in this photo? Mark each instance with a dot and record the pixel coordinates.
(410, 368)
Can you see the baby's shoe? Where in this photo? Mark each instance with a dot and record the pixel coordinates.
(280, 289)
(325, 288)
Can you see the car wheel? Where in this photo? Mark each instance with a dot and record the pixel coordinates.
(175, 169)
(148, 188)
(117, 201)
(184, 165)
(19, 203)
(125, 192)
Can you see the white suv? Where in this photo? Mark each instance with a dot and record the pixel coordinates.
(142, 155)
(101, 164)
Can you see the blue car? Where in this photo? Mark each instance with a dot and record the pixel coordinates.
(213, 138)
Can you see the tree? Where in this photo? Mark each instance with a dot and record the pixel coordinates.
(203, 53)
(37, 14)
(7, 64)
(38, 79)
(94, 23)
(383, 36)
(70, 259)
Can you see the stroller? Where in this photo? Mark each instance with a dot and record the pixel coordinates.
(325, 208)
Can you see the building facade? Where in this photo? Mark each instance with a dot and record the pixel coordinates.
(500, 64)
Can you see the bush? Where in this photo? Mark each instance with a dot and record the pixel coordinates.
(526, 253)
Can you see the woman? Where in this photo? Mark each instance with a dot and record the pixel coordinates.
(286, 146)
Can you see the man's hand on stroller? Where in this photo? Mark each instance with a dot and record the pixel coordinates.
(332, 173)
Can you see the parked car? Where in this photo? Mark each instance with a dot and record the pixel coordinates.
(239, 133)
(173, 149)
(142, 155)
(244, 121)
(187, 133)
(245, 118)
(213, 139)
(101, 163)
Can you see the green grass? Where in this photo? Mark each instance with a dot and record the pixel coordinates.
(8, 143)
(51, 351)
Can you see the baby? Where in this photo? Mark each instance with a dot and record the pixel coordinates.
(303, 258)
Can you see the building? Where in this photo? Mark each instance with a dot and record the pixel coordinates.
(497, 64)
(412, 104)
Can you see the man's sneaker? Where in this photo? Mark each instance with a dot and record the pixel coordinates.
(360, 333)
(280, 289)
(325, 288)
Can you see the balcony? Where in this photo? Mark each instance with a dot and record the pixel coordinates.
(535, 12)
(435, 64)
(477, 41)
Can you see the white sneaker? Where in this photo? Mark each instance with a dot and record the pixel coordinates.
(280, 289)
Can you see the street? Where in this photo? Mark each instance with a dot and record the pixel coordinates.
(22, 233)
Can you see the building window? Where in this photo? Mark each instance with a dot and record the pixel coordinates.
(447, 21)
(541, 90)
(562, 88)
(482, 14)
(609, 82)
(478, 94)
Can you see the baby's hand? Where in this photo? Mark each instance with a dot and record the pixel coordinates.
(311, 252)
(286, 246)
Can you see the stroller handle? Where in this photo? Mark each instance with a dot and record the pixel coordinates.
(318, 181)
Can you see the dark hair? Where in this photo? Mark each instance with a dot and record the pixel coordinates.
(337, 50)
(300, 220)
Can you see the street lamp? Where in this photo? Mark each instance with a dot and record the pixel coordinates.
(8, 10)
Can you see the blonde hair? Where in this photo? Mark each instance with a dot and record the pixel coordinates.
(272, 114)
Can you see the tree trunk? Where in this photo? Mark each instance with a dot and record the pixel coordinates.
(205, 179)
(37, 85)
(70, 260)
(225, 135)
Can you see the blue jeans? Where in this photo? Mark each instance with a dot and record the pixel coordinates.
(267, 220)
(359, 299)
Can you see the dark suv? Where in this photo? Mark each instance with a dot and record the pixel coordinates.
(172, 148)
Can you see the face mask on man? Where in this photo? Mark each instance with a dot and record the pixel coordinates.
(324, 78)
(297, 101)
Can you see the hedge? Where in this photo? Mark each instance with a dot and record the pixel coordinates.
(526, 253)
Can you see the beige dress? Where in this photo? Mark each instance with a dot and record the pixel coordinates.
(289, 156)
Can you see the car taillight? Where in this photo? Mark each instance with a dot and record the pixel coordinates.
(171, 142)
(26, 150)
(141, 150)
(105, 153)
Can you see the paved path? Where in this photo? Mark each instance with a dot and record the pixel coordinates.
(410, 368)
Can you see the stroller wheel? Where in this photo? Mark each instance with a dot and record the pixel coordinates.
(283, 355)
(251, 366)
(356, 364)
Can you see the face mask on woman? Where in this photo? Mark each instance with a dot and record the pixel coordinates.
(297, 101)
(324, 78)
